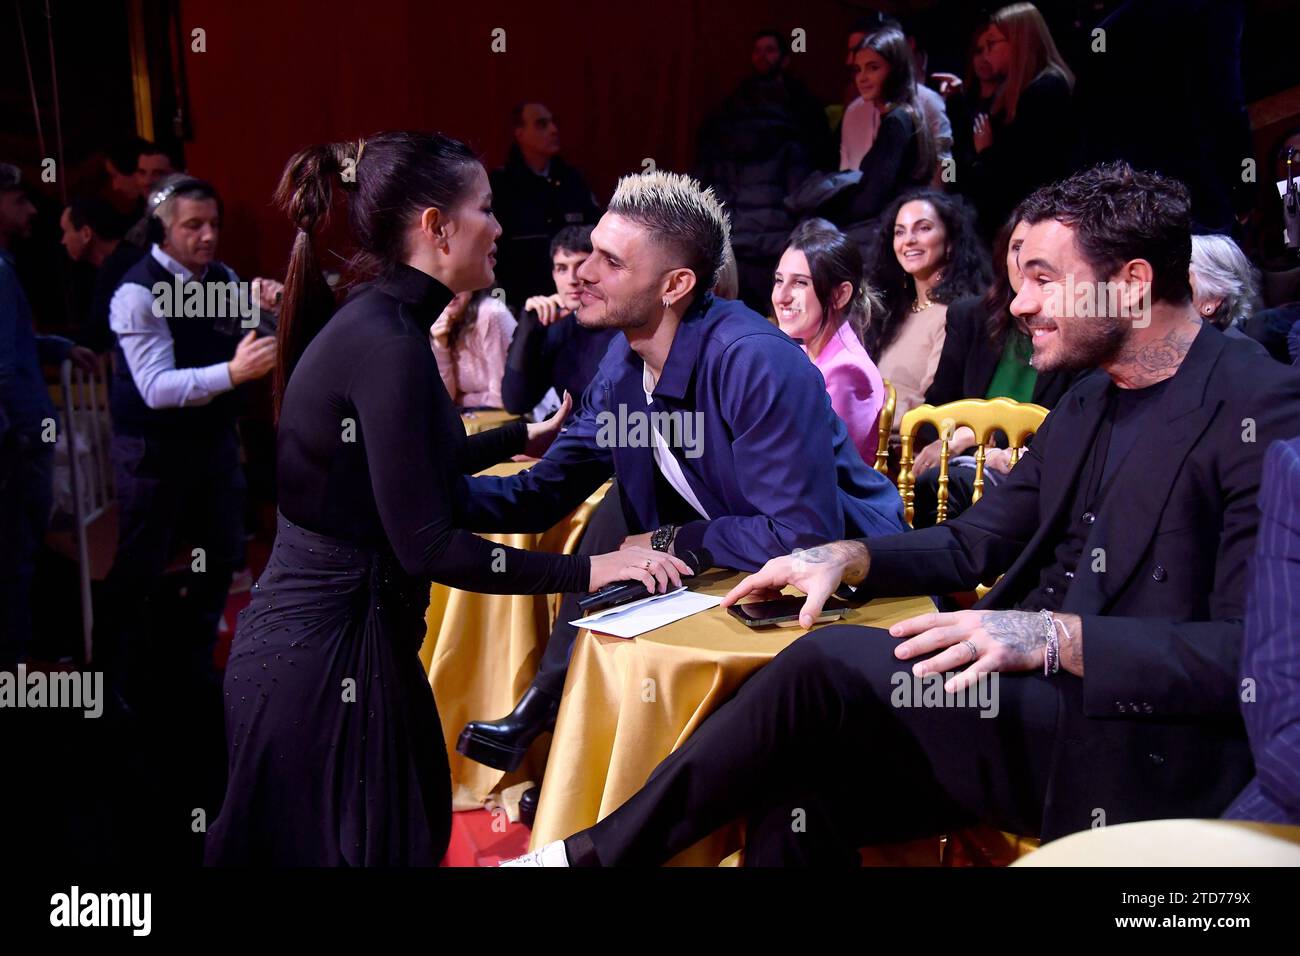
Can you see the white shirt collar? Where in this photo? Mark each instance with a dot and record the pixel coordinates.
(665, 460)
(647, 382)
(171, 265)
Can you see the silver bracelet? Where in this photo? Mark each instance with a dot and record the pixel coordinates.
(1052, 656)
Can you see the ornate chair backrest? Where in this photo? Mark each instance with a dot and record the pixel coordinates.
(985, 417)
(886, 426)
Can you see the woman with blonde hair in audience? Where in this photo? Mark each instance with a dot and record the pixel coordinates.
(928, 256)
(1026, 138)
(822, 300)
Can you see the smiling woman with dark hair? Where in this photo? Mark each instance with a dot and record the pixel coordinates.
(903, 153)
(822, 300)
(927, 256)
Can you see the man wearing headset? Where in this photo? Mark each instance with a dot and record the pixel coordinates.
(187, 338)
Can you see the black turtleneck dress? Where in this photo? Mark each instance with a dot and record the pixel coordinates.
(336, 754)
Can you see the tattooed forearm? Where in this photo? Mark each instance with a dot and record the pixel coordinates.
(1022, 631)
(852, 554)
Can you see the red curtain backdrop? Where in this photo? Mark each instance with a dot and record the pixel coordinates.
(625, 82)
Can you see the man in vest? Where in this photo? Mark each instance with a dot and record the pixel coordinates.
(187, 339)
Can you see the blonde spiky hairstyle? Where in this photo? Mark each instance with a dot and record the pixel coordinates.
(680, 213)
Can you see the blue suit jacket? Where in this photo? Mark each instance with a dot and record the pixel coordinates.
(1271, 655)
(775, 469)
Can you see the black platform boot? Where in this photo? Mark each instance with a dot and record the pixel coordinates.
(502, 743)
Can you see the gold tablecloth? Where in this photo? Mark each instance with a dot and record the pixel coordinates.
(629, 703)
(481, 652)
(476, 422)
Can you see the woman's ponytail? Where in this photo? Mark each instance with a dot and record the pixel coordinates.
(306, 193)
(865, 307)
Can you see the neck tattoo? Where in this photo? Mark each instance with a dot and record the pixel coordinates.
(1147, 363)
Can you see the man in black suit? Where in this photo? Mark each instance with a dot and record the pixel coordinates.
(1121, 540)
(535, 195)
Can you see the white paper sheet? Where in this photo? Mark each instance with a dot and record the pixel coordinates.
(638, 617)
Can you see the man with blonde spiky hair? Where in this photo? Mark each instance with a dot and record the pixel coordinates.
(718, 427)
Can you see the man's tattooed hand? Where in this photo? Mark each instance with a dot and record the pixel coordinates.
(1021, 631)
(977, 642)
(851, 555)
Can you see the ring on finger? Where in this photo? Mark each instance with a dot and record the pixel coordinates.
(973, 652)
(647, 564)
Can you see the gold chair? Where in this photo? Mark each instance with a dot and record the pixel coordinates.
(984, 417)
(886, 426)
(981, 845)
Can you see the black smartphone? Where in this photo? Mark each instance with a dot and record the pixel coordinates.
(784, 610)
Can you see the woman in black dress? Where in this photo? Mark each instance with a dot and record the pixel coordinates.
(336, 752)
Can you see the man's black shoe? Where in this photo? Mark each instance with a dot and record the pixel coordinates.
(528, 806)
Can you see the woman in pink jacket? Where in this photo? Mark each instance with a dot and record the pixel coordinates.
(470, 340)
(822, 300)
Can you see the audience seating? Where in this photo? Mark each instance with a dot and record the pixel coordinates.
(886, 427)
(986, 417)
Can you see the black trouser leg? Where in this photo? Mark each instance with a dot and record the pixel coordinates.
(961, 487)
(827, 826)
(149, 507)
(822, 728)
(605, 532)
(215, 521)
(169, 491)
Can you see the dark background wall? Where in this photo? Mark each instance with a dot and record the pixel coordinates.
(626, 81)
(94, 74)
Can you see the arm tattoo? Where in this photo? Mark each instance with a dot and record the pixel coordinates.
(1022, 631)
(853, 554)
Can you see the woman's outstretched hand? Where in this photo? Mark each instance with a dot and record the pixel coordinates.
(541, 434)
(657, 570)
